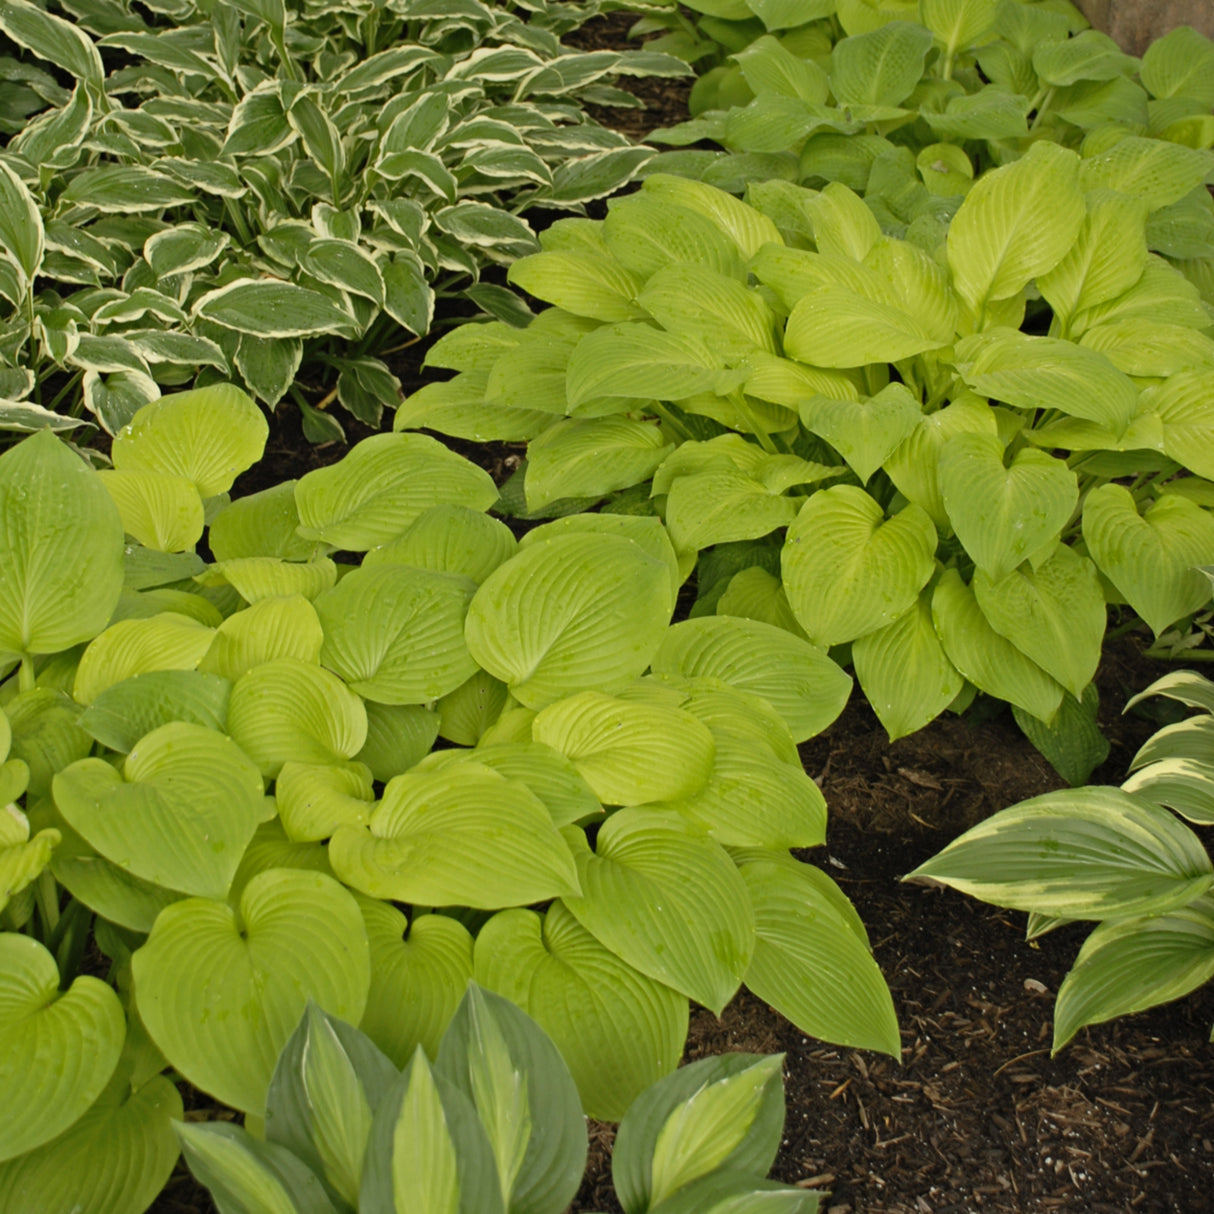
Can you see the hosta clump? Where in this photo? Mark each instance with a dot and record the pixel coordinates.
(239, 191)
(1116, 856)
(224, 778)
(492, 1124)
(876, 448)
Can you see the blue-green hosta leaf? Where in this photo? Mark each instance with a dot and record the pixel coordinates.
(879, 68)
(168, 641)
(125, 712)
(262, 524)
(419, 972)
(207, 435)
(848, 570)
(1016, 223)
(285, 626)
(617, 1030)
(905, 673)
(866, 433)
(315, 799)
(449, 539)
(465, 836)
(525, 1096)
(256, 578)
(291, 710)
(162, 512)
(583, 282)
(180, 813)
(690, 923)
(812, 960)
(988, 660)
(1083, 853)
(57, 1049)
(628, 752)
(382, 485)
(1155, 170)
(1054, 614)
(568, 614)
(1131, 965)
(270, 308)
(398, 736)
(60, 549)
(1179, 65)
(1072, 741)
(1002, 514)
(395, 634)
(1152, 558)
(220, 990)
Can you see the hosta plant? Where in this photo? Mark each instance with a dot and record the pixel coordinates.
(246, 191)
(226, 776)
(1116, 856)
(492, 1124)
(941, 466)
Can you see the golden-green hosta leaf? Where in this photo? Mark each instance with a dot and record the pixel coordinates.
(866, 433)
(262, 524)
(1152, 559)
(314, 800)
(161, 511)
(581, 281)
(262, 577)
(835, 327)
(617, 1030)
(1180, 64)
(848, 570)
(1183, 404)
(879, 67)
(285, 626)
(1155, 170)
(706, 304)
(721, 505)
(755, 594)
(124, 713)
(398, 735)
(167, 641)
(450, 539)
(57, 1049)
(747, 228)
(221, 990)
(462, 836)
(958, 24)
(21, 858)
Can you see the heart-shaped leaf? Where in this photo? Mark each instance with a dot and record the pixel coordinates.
(449, 539)
(283, 626)
(398, 736)
(167, 641)
(314, 800)
(262, 524)
(162, 512)
(865, 433)
(129, 710)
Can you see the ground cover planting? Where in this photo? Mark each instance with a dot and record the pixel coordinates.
(407, 814)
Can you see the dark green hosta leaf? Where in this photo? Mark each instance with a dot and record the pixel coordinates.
(1152, 169)
(690, 923)
(127, 711)
(465, 836)
(58, 41)
(220, 991)
(1128, 966)
(1072, 742)
(57, 1050)
(879, 68)
(848, 570)
(1085, 853)
(617, 1030)
(1151, 558)
(21, 232)
(812, 960)
(60, 549)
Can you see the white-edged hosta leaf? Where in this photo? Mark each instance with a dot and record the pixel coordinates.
(1054, 614)
(291, 710)
(689, 925)
(283, 626)
(180, 813)
(127, 711)
(866, 432)
(21, 232)
(57, 1049)
(1183, 783)
(848, 570)
(115, 399)
(617, 1030)
(1082, 853)
(315, 799)
(183, 249)
(125, 189)
(395, 634)
(463, 836)
(161, 511)
(207, 435)
(57, 41)
(267, 307)
(60, 549)
(221, 990)
(628, 752)
(167, 641)
(568, 614)
(449, 539)
(810, 961)
(382, 485)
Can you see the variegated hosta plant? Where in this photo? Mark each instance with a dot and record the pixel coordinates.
(492, 1124)
(294, 774)
(941, 466)
(1116, 856)
(255, 188)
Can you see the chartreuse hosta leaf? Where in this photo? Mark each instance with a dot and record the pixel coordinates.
(159, 510)
(525, 1097)
(848, 570)
(314, 800)
(395, 634)
(385, 482)
(45, 734)
(1129, 965)
(864, 433)
(1084, 853)
(1151, 558)
(796, 678)
(179, 814)
(60, 549)
(57, 1049)
(398, 736)
(449, 539)
(262, 524)
(690, 923)
(812, 960)
(627, 752)
(124, 713)
(419, 971)
(220, 990)
(208, 436)
(646, 232)
(471, 709)
(464, 836)
(167, 641)
(1156, 170)
(284, 626)
(724, 1113)
(1003, 512)
(570, 613)
(291, 710)
(22, 858)
(592, 1004)
(262, 577)
(586, 282)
